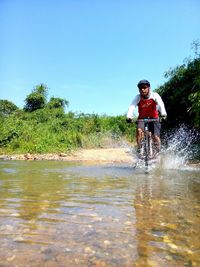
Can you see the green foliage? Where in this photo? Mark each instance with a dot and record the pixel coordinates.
(7, 107)
(194, 109)
(181, 94)
(51, 130)
(37, 99)
(44, 127)
(34, 101)
(41, 89)
(56, 102)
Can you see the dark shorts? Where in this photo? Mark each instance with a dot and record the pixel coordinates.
(154, 127)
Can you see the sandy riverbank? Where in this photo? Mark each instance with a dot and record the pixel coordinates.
(106, 155)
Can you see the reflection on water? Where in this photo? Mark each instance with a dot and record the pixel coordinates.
(62, 214)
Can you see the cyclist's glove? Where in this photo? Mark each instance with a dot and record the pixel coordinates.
(163, 118)
(129, 120)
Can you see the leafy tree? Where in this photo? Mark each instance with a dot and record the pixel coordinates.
(56, 102)
(41, 89)
(194, 96)
(181, 94)
(7, 107)
(37, 99)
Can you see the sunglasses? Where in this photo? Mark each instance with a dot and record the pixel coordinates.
(143, 87)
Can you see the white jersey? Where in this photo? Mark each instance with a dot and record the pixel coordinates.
(155, 96)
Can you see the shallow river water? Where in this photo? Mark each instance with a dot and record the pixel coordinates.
(69, 214)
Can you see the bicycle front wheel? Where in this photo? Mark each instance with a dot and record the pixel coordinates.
(146, 148)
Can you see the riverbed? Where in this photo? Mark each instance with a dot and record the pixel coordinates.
(56, 213)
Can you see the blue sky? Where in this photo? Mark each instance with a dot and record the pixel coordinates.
(92, 52)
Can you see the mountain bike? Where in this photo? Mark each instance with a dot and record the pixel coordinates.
(147, 150)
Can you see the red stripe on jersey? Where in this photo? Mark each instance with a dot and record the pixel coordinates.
(147, 108)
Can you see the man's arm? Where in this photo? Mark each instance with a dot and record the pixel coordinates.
(132, 107)
(160, 105)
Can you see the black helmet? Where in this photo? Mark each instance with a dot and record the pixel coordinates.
(143, 82)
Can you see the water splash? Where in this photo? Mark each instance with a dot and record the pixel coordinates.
(181, 148)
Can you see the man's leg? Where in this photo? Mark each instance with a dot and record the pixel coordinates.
(139, 136)
(156, 136)
(157, 143)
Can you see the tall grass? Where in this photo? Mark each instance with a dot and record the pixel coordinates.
(51, 130)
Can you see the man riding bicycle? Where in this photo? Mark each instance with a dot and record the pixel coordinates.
(150, 105)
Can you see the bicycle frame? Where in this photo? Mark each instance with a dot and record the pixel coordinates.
(147, 150)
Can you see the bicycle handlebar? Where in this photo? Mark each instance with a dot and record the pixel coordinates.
(147, 120)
